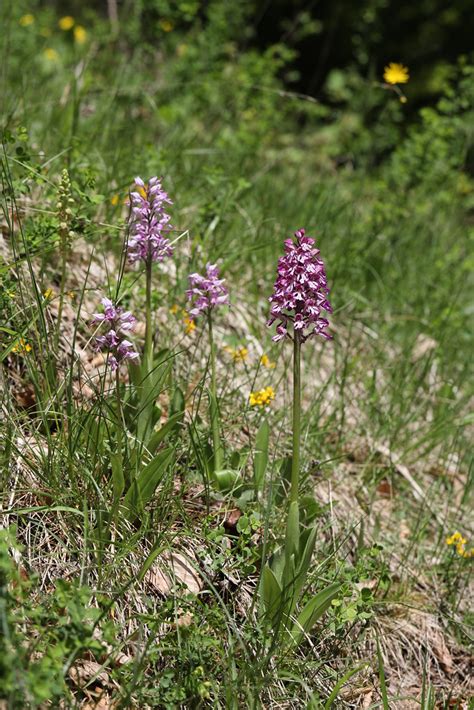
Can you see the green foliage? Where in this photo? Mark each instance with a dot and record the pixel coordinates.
(42, 633)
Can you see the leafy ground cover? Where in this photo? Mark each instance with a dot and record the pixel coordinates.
(140, 506)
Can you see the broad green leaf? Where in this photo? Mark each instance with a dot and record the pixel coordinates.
(261, 455)
(271, 593)
(313, 610)
(158, 436)
(226, 479)
(177, 403)
(144, 485)
(292, 539)
(304, 562)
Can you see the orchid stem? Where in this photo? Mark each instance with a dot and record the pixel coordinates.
(148, 328)
(295, 462)
(216, 439)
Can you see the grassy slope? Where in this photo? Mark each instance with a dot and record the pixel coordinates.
(385, 403)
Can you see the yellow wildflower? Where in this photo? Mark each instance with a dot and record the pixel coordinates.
(238, 354)
(26, 20)
(190, 325)
(66, 23)
(71, 295)
(266, 362)
(396, 73)
(459, 541)
(456, 539)
(49, 293)
(262, 398)
(114, 200)
(51, 54)
(21, 346)
(175, 309)
(166, 25)
(80, 34)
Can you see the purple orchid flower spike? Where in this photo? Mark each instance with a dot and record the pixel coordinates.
(207, 292)
(300, 291)
(149, 223)
(119, 322)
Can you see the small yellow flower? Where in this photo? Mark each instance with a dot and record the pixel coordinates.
(51, 54)
(26, 20)
(141, 190)
(114, 200)
(166, 25)
(455, 539)
(266, 362)
(175, 309)
(459, 541)
(190, 325)
(396, 73)
(21, 346)
(11, 294)
(72, 295)
(80, 34)
(261, 398)
(66, 23)
(49, 293)
(238, 354)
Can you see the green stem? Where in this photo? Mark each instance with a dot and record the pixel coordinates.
(119, 412)
(216, 440)
(62, 287)
(295, 463)
(149, 328)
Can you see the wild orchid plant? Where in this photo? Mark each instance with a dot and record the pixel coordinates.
(137, 413)
(299, 297)
(206, 293)
(148, 243)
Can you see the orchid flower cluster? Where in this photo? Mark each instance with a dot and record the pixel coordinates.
(119, 323)
(300, 291)
(207, 292)
(149, 222)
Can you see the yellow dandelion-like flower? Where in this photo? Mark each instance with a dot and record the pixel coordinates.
(21, 346)
(114, 200)
(262, 398)
(51, 54)
(166, 25)
(49, 293)
(190, 325)
(26, 20)
(266, 362)
(80, 34)
(396, 73)
(66, 23)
